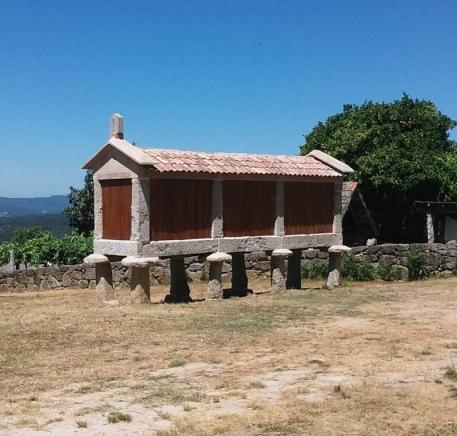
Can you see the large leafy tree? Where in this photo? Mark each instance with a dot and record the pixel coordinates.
(81, 210)
(400, 151)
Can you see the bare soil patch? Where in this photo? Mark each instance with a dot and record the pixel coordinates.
(368, 358)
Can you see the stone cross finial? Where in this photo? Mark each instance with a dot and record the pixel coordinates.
(117, 126)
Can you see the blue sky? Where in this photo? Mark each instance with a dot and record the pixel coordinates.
(234, 75)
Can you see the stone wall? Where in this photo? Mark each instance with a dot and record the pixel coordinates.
(440, 259)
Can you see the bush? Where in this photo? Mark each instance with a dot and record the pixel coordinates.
(315, 270)
(416, 265)
(357, 270)
(387, 272)
(4, 253)
(38, 247)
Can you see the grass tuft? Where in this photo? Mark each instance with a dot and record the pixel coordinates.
(115, 416)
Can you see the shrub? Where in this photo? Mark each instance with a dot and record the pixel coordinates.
(357, 270)
(416, 264)
(4, 253)
(74, 248)
(315, 270)
(387, 272)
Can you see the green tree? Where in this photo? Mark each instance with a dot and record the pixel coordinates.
(400, 152)
(81, 210)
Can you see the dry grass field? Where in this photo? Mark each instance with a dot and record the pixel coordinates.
(373, 358)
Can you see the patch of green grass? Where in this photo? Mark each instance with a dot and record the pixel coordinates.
(115, 416)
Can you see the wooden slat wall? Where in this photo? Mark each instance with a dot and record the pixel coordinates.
(180, 209)
(117, 209)
(249, 208)
(308, 208)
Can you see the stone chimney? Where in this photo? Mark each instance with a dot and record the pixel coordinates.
(117, 126)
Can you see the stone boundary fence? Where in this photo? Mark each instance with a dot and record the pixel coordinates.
(440, 260)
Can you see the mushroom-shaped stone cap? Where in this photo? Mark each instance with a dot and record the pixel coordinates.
(338, 249)
(281, 252)
(218, 257)
(95, 258)
(140, 262)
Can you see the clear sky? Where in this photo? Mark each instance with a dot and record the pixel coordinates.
(233, 75)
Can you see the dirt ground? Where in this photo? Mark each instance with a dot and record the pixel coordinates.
(368, 358)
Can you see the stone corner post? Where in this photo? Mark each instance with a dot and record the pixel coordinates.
(179, 288)
(278, 269)
(139, 281)
(140, 210)
(217, 224)
(338, 211)
(103, 277)
(279, 229)
(215, 290)
(98, 209)
(430, 228)
(335, 254)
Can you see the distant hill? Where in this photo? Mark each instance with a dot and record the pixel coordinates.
(54, 223)
(15, 207)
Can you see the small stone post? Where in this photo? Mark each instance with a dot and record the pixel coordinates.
(139, 281)
(215, 290)
(239, 276)
(335, 254)
(103, 277)
(430, 228)
(278, 269)
(179, 288)
(294, 270)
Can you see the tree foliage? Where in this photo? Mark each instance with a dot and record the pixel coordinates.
(81, 210)
(400, 152)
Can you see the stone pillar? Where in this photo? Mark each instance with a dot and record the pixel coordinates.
(239, 276)
(103, 277)
(335, 254)
(179, 288)
(217, 226)
(279, 209)
(140, 210)
(278, 269)
(337, 211)
(294, 270)
(430, 228)
(215, 290)
(139, 280)
(98, 209)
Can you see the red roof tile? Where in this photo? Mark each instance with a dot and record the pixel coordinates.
(166, 161)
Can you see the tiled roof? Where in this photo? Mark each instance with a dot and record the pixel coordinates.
(172, 161)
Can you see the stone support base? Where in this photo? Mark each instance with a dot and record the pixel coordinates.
(139, 281)
(103, 277)
(335, 255)
(239, 276)
(179, 288)
(215, 290)
(294, 270)
(278, 269)
(139, 285)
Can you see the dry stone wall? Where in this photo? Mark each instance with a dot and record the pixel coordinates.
(440, 259)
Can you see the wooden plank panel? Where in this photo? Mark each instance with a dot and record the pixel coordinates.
(180, 209)
(249, 208)
(308, 208)
(117, 209)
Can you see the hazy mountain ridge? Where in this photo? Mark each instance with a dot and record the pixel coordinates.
(11, 207)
